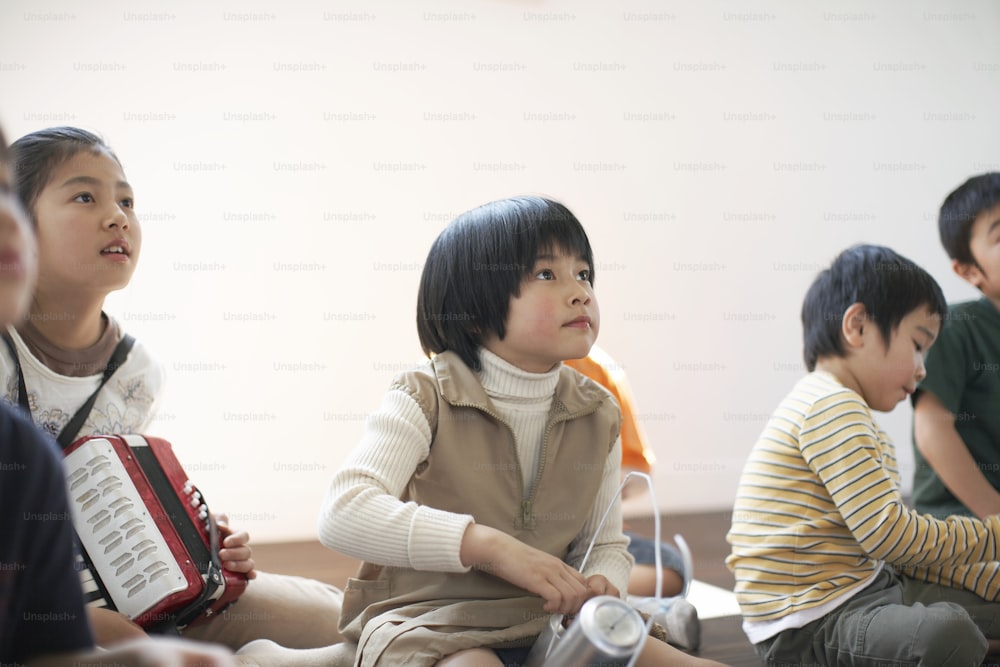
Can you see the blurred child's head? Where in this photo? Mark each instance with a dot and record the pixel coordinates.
(494, 255)
(969, 224)
(73, 188)
(17, 248)
(862, 302)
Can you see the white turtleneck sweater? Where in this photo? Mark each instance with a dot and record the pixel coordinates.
(363, 516)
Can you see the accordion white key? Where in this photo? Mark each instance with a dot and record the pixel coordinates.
(145, 533)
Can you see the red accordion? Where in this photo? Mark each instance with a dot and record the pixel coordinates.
(149, 543)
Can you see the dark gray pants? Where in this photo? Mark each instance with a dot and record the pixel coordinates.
(895, 621)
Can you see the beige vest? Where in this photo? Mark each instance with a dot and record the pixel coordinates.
(473, 468)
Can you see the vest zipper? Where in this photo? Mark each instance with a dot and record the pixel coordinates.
(527, 521)
(527, 518)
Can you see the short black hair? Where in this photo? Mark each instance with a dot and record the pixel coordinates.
(889, 285)
(961, 208)
(37, 154)
(478, 263)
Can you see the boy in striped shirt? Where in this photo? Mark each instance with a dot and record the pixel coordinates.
(831, 567)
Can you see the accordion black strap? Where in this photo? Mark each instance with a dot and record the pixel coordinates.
(22, 391)
(68, 433)
(213, 578)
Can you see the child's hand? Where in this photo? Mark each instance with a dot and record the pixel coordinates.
(597, 584)
(562, 588)
(236, 552)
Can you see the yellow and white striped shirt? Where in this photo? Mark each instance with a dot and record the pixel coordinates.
(818, 513)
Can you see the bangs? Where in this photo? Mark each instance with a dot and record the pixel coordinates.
(36, 155)
(545, 227)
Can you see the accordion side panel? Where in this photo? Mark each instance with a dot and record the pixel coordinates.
(133, 559)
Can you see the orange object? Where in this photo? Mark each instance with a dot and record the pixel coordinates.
(600, 367)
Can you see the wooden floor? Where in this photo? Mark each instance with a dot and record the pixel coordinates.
(722, 638)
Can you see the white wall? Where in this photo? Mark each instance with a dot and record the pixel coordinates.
(293, 162)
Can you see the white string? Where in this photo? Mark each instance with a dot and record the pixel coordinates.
(555, 620)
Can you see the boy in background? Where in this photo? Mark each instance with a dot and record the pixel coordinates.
(956, 424)
(831, 566)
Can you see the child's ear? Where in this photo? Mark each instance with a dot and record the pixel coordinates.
(969, 272)
(852, 327)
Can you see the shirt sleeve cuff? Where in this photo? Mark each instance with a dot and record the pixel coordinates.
(436, 540)
(615, 567)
